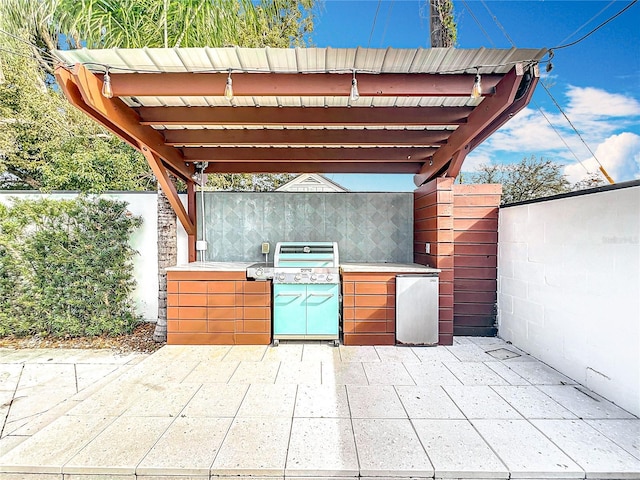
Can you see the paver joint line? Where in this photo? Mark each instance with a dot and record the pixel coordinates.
(167, 429)
(13, 397)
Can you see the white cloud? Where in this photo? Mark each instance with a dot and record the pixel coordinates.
(526, 131)
(619, 155)
(596, 103)
(596, 113)
(475, 159)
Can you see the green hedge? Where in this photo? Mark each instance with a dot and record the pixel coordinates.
(66, 268)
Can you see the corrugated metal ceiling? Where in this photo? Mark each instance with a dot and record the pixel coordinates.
(303, 60)
(300, 60)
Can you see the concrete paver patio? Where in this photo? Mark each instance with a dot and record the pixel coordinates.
(478, 409)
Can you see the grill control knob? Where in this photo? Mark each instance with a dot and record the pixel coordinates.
(297, 277)
(314, 277)
(259, 272)
(281, 277)
(329, 277)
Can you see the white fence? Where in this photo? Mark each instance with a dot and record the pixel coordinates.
(144, 241)
(569, 287)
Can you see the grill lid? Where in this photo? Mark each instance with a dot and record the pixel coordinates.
(306, 254)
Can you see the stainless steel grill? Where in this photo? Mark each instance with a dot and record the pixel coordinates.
(306, 263)
(306, 282)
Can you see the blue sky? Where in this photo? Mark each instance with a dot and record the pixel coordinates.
(596, 82)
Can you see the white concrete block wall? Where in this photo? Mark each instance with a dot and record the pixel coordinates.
(569, 288)
(144, 241)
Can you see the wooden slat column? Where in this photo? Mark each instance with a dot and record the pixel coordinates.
(475, 233)
(433, 225)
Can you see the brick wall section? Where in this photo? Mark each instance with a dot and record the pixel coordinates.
(433, 224)
(369, 308)
(475, 235)
(217, 308)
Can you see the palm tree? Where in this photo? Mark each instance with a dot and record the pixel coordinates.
(31, 21)
(184, 23)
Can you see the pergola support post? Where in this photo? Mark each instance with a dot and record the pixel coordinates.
(169, 189)
(191, 210)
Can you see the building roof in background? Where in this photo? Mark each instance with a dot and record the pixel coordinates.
(311, 182)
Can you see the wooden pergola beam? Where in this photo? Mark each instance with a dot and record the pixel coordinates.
(71, 91)
(358, 156)
(426, 152)
(460, 140)
(311, 116)
(203, 137)
(112, 111)
(457, 160)
(297, 85)
(312, 167)
(518, 104)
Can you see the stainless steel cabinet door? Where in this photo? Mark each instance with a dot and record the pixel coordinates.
(417, 309)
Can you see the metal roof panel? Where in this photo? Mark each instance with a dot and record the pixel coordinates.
(301, 60)
(340, 59)
(398, 60)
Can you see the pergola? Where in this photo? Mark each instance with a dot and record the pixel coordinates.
(294, 111)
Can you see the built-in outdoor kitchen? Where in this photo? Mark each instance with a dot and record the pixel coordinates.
(198, 111)
(299, 288)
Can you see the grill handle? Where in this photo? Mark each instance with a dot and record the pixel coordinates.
(287, 294)
(328, 295)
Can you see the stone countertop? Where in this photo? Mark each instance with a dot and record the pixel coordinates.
(344, 267)
(387, 267)
(211, 267)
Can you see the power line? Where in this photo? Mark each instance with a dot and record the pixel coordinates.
(556, 104)
(386, 23)
(495, 19)
(595, 29)
(164, 68)
(478, 23)
(18, 54)
(587, 22)
(47, 53)
(374, 23)
(560, 136)
(570, 123)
